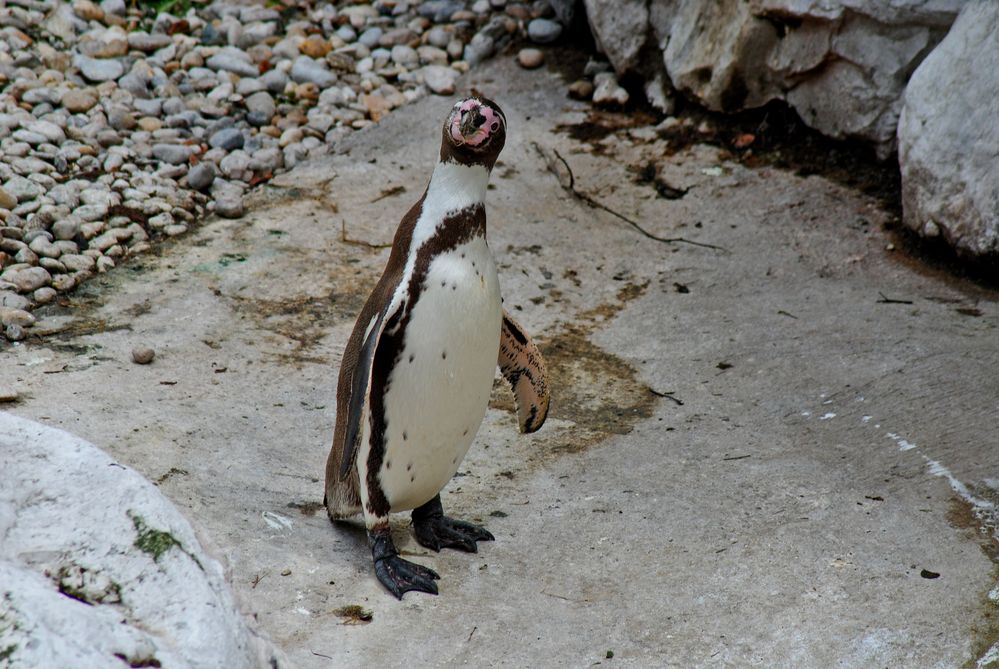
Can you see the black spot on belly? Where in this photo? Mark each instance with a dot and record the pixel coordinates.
(465, 432)
(411, 356)
(404, 435)
(463, 255)
(454, 286)
(388, 464)
(444, 355)
(443, 283)
(409, 467)
(412, 478)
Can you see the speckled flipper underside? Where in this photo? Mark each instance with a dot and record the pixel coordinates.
(521, 363)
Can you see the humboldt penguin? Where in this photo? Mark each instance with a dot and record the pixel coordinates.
(418, 368)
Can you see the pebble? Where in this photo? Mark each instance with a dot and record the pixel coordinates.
(7, 199)
(544, 31)
(581, 89)
(530, 58)
(228, 139)
(143, 355)
(99, 69)
(608, 91)
(201, 176)
(78, 101)
(440, 79)
(306, 69)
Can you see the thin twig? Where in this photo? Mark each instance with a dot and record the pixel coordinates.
(667, 395)
(888, 300)
(321, 655)
(596, 204)
(390, 192)
(737, 457)
(358, 242)
(474, 627)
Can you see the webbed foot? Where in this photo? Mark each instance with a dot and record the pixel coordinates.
(399, 576)
(434, 530)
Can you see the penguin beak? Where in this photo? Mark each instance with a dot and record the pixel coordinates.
(473, 124)
(471, 121)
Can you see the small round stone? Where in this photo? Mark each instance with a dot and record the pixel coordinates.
(143, 355)
(544, 31)
(201, 176)
(530, 58)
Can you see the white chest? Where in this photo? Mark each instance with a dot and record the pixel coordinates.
(440, 386)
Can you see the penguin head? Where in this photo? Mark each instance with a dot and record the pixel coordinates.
(474, 132)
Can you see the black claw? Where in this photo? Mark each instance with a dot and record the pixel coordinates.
(434, 530)
(400, 576)
(397, 575)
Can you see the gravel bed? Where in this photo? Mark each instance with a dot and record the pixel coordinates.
(120, 127)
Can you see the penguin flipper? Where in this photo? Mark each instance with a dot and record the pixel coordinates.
(360, 384)
(522, 365)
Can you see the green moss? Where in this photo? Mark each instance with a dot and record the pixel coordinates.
(153, 542)
(6, 653)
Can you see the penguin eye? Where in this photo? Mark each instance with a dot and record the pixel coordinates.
(495, 126)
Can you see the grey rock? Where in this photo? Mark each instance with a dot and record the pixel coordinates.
(22, 189)
(439, 79)
(44, 295)
(228, 199)
(15, 333)
(261, 106)
(227, 139)
(66, 228)
(201, 176)
(29, 137)
(405, 55)
(12, 300)
(948, 137)
(842, 65)
(236, 166)
(306, 69)
(174, 154)
(143, 41)
(370, 37)
(143, 355)
(233, 60)
(20, 317)
(544, 31)
(27, 279)
(96, 553)
(439, 37)
(77, 262)
(97, 70)
(274, 80)
(479, 48)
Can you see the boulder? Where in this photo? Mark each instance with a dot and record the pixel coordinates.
(98, 569)
(841, 64)
(948, 137)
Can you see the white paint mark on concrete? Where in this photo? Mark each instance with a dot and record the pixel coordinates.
(903, 445)
(865, 419)
(827, 416)
(277, 521)
(957, 486)
(806, 414)
(304, 611)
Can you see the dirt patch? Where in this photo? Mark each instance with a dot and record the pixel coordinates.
(597, 391)
(982, 527)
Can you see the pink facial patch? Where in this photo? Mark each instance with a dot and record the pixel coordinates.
(478, 135)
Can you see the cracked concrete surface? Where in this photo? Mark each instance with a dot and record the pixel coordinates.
(751, 460)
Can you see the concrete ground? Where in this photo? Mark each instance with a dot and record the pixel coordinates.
(753, 459)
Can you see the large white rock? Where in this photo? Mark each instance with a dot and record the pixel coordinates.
(842, 64)
(948, 136)
(98, 569)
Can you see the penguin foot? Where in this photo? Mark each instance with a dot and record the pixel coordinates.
(435, 531)
(400, 576)
(397, 575)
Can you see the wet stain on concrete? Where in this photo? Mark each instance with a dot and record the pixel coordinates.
(597, 391)
(981, 527)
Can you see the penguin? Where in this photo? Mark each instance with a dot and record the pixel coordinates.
(418, 368)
